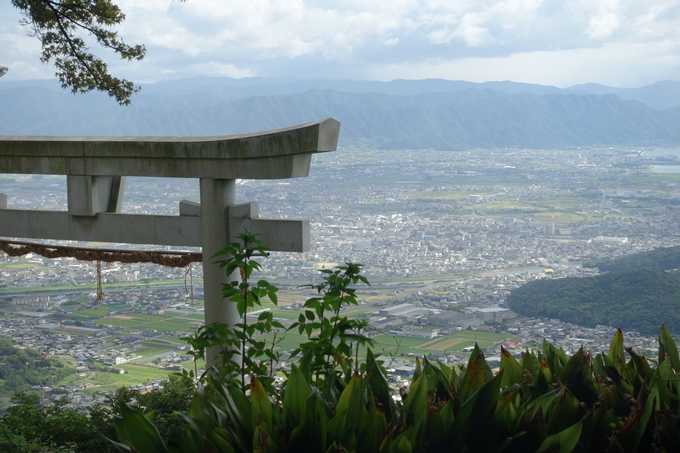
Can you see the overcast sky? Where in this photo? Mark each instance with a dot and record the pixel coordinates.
(625, 43)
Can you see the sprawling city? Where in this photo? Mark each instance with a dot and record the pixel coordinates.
(443, 237)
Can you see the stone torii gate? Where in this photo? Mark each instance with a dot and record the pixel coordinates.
(96, 167)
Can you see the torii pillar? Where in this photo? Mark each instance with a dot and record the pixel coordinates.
(96, 167)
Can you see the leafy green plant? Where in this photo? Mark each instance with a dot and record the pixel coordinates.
(240, 349)
(332, 338)
(546, 401)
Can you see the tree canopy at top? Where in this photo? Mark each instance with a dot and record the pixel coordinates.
(60, 26)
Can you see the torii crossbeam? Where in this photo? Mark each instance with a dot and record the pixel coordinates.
(96, 167)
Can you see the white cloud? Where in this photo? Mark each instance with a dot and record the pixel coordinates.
(488, 39)
(623, 65)
(602, 25)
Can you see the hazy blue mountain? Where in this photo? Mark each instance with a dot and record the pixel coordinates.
(660, 95)
(469, 116)
(282, 86)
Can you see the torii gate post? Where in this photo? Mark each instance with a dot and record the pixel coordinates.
(96, 167)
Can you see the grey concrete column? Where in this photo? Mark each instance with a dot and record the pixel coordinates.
(216, 196)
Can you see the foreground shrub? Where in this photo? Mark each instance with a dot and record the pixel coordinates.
(332, 402)
(545, 402)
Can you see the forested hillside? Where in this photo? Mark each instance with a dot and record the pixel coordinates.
(665, 258)
(639, 299)
(22, 368)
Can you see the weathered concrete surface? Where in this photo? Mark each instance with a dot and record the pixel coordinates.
(282, 235)
(181, 231)
(216, 197)
(282, 153)
(89, 195)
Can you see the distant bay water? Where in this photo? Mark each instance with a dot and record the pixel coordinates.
(662, 152)
(666, 169)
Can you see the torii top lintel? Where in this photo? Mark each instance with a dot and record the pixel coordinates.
(277, 154)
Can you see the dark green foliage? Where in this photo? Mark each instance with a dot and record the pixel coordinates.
(665, 258)
(28, 427)
(22, 368)
(59, 25)
(333, 338)
(545, 402)
(639, 299)
(176, 395)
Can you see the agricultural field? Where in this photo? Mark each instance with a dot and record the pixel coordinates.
(449, 195)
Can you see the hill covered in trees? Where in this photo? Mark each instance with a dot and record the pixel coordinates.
(20, 369)
(639, 299)
(665, 258)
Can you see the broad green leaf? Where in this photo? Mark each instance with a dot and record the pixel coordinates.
(475, 375)
(219, 442)
(616, 351)
(431, 373)
(668, 345)
(186, 441)
(297, 441)
(135, 429)
(505, 414)
(317, 421)
(564, 411)
(541, 404)
(261, 414)
(193, 442)
(415, 406)
(512, 371)
(378, 385)
(446, 371)
(577, 377)
(598, 365)
(351, 399)
(661, 379)
(641, 365)
(295, 399)
(438, 425)
(542, 382)
(651, 406)
(417, 372)
(403, 444)
(475, 414)
(239, 410)
(549, 355)
(530, 363)
(122, 448)
(367, 432)
(564, 441)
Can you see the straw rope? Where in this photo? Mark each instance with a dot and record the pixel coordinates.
(163, 258)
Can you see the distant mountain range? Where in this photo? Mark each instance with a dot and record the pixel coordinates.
(402, 114)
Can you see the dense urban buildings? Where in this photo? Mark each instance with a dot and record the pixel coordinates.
(443, 237)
